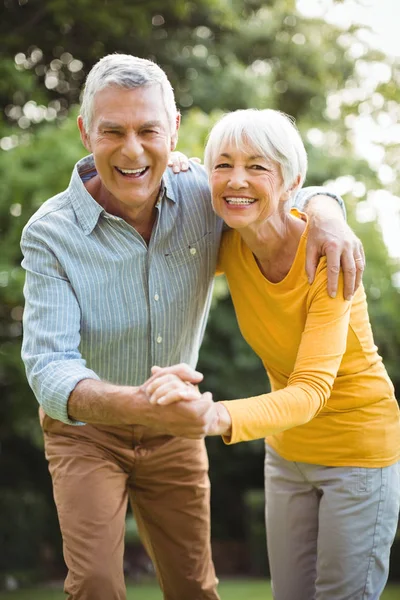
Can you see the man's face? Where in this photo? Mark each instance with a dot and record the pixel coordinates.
(130, 138)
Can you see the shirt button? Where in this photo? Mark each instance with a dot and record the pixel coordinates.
(156, 297)
(159, 339)
(193, 251)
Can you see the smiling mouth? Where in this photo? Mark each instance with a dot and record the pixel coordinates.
(233, 201)
(132, 173)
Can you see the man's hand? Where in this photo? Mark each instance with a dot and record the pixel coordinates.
(330, 236)
(180, 162)
(166, 388)
(178, 408)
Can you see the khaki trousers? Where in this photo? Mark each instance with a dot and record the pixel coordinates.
(95, 469)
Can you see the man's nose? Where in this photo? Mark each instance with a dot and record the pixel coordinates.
(132, 147)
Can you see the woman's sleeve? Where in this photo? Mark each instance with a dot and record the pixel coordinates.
(320, 353)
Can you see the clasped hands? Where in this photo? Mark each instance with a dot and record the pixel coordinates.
(184, 410)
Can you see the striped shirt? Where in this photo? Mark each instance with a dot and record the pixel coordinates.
(100, 303)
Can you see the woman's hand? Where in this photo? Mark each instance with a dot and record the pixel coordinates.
(180, 162)
(168, 388)
(330, 236)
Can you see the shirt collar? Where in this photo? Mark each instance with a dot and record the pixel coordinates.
(169, 185)
(86, 208)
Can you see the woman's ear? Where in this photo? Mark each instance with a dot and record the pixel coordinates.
(288, 193)
(294, 185)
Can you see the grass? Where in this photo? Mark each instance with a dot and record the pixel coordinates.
(240, 589)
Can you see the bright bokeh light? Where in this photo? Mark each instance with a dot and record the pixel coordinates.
(367, 132)
(383, 16)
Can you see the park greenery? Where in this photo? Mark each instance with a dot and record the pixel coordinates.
(228, 590)
(220, 55)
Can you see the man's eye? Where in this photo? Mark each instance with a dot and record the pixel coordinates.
(111, 132)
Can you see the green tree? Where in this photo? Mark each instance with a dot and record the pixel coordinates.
(220, 55)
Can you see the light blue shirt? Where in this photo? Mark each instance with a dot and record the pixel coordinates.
(103, 305)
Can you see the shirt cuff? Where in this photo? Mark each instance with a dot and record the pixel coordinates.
(54, 396)
(304, 195)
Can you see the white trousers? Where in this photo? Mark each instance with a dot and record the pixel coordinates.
(329, 529)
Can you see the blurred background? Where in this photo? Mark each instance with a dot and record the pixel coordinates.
(334, 66)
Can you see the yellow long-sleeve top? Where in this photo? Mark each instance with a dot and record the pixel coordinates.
(332, 402)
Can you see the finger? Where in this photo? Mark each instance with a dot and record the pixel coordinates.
(174, 388)
(181, 395)
(333, 269)
(162, 379)
(360, 266)
(157, 373)
(182, 370)
(178, 161)
(184, 163)
(196, 159)
(163, 383)
(359, 274)
(362, 253)
(312, 259)
(174, 163)
(208, 396)
(154, 377)
(174, 394)
(176, 369)
(349, 261)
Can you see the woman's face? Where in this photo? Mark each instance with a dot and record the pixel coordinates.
(246, 189)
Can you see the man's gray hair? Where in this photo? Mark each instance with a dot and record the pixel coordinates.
(129, 72)
(268, 133)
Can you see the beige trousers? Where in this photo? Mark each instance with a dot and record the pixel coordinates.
(95, 469)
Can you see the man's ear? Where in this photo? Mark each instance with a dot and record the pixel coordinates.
(84, 135)
(174, 136)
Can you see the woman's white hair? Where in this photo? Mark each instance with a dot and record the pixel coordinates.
(268, 133)
(126, 71)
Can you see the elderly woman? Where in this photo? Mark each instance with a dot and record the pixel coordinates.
(331, 421)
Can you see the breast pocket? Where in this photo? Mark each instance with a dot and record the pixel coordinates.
(190, 253)
(190, 268)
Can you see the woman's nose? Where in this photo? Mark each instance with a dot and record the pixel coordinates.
(238, 179)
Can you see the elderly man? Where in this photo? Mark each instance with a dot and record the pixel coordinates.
(119, 272)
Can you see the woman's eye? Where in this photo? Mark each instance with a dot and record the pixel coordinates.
(222, 166)
(258, 167)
